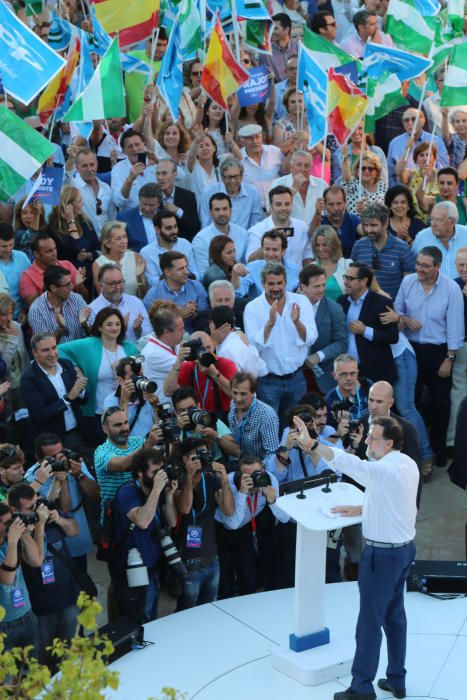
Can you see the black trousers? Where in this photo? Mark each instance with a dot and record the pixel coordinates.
(429, 358)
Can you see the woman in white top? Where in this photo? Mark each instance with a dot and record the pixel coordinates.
(114, 249)
(213, 119)
(202, 164)
(327, 251)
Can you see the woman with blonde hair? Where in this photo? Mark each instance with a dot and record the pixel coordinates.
(114, 249)
(72, 231)
(327, 251)
(29, 221)
(372, 187)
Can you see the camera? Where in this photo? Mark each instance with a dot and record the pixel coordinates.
(139, 382)
(204, 456)
(173, 471)
(58, 464)
(354, 426)
(71, 454)
(171, 553)
(199, 354)
(170, 431)
(260, 479)
(341, 405)
(199, 416)
(144, 384)
(27, 518)
(51, 505)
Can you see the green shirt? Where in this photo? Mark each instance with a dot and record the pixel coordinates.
(135, 84)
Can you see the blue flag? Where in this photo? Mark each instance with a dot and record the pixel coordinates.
(170, 78)
(59, 33)
(379, 59)
(313, 82)
(27, 63)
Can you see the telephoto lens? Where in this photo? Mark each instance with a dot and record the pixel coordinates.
(171, 553)
(136, 571)
(146, 385)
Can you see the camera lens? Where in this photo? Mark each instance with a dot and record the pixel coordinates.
(146, 385)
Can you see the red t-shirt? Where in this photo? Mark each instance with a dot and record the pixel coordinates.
(190, 375)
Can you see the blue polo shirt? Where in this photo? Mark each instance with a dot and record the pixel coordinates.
(191, 291)
(13, 269)
(389, 264)
(347, 232)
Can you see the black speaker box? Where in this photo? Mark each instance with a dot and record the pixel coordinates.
(125, 636)
(438, 577)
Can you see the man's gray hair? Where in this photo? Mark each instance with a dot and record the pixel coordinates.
(39, 337)
(220, 284)
(231, 163)
(449, 208)
(344, 357)
(170, 162)
(272, 268)
(375, 210)
(300, 154)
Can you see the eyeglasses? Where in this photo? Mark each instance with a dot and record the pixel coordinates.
(232, 177)
(409, 119)
(349, 278)
(347, 374)
(9, 452)
(422, 266)
(117, 283)
(367, 168)
(98, 206)
(331, 24)
(375, 261)
(196, 72)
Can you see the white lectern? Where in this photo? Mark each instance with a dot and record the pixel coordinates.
(313, 656)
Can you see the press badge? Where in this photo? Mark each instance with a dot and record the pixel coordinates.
(17, 597)
(48, 573)
(194, 536)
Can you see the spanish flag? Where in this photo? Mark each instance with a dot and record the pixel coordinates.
(346, 105)
(134, 20)
(222, 75)
(54, 94)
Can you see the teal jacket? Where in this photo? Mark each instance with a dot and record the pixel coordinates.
(86, 353)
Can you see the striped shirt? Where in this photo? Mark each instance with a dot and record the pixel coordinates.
(389, 264)
(42, 319)
(257, 432)
(110, 482)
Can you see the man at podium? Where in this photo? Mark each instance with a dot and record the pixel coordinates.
(390, 479)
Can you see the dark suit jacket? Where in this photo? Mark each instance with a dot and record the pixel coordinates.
(46, 409)
(188, 224)
(458, 468)
(376, 360)
(136, 232)
(331, 340)
(411, 446)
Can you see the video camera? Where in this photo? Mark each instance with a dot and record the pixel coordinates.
(141, 383)
(198, 353)
(200, 417)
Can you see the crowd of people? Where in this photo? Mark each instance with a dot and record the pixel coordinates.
(200, 285)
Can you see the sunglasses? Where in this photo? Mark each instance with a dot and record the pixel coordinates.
(331, 24)
(196, 72)
(109, 412)
(375, 261)
(98, 206)
(367, 168)
(8, 451)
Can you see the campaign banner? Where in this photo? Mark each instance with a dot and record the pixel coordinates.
(257, 89)
(350, 70)
(48, 191)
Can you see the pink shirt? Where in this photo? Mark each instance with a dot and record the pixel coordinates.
(32, 279)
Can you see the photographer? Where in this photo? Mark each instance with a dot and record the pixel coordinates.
(205, 487)
(208, 374)
(17, 547)
(195, 422)
(143, 507)
(12, 469)
(350, 392)
(135, 394)
(51, 585)
(247, 540)
(72, 484)
(112, 459)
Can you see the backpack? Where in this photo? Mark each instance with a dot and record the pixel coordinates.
(108, 546)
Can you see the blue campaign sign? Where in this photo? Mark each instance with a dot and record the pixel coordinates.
(350, 70)
(49, 188)
(257, 89)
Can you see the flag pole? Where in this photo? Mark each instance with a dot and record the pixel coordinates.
(235, 28)
(420, 103)
(323, 157)
(155, 37)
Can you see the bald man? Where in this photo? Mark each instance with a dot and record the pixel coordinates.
(380, 402)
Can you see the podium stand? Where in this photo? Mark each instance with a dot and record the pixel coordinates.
(313, 655)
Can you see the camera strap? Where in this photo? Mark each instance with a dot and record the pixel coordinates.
(253, 508)
(205, 500)
(83, 579)
(206, 388)
(135, 416)
(302, 461)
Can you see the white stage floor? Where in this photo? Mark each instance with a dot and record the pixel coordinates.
(222, 651)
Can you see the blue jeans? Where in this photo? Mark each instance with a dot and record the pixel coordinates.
(200, 587)
(21, 633)
(61, 625)
(404, 393)
(281, 394)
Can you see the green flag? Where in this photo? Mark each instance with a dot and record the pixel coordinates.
(325, 53)
(190, 29)
(34, 7)
(103, 97)
(22, 152)
(408, 28)
(384, 95)
(455, 82)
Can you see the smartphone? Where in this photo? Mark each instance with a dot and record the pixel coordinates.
(287, 231)
(142, 157)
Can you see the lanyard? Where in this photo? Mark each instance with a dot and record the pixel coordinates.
(194, 513)
(156, 342)
(357, 396)
(206, 387)
(253, 510)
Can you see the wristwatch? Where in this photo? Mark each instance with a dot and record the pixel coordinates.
(80, 477)
(451, 358)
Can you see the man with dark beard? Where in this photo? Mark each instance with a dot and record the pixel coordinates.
(142, 507)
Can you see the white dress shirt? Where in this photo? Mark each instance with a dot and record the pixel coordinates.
(261, 176)
(300, 210)
(242, 514)
(59, 386)
(246, 357)
(159, 359)
(104, 194)
(299, 245)
(130, 305)
(284, 351)
(120, 172)
(149, 228)
(390, 505)
(203, 238)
